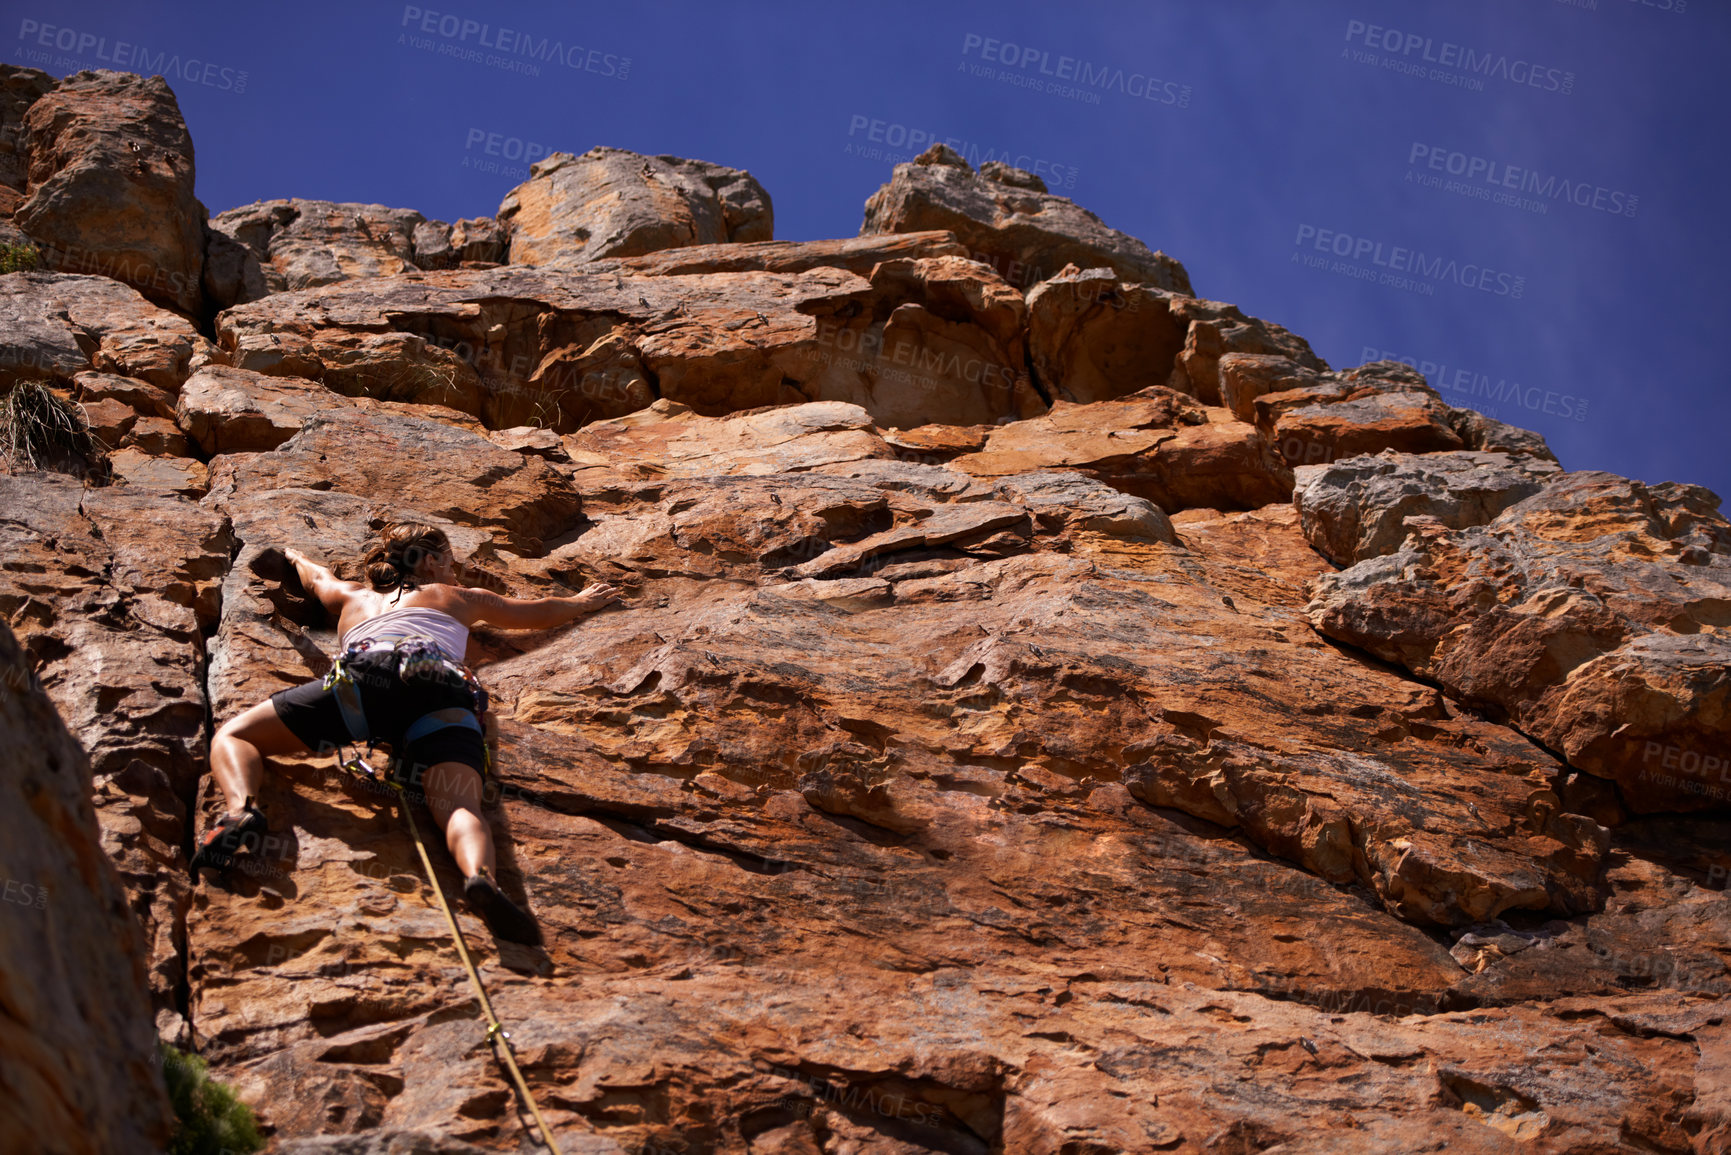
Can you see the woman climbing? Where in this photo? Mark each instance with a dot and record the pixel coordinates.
(400, 681)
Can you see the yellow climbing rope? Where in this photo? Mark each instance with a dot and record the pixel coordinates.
(497, 1035)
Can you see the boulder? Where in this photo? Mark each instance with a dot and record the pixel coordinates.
(472, 241)
(54, 326)
(858, 255)
(1378, 406)
(1358, 508)
(940, 339)
(237, 411)
(1093, 337)
(1477, 431)
(1246, 376)
(110, 186)
(1316, 416)
(1011, 175)
(1025, 233)
(1587, 614)
(1214, 329)
(279, 245)
(1155, 444)
(611, 202)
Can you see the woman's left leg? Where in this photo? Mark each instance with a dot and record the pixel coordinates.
(237, 756)
(238, 751)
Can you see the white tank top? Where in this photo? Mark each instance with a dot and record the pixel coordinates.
(450, 635)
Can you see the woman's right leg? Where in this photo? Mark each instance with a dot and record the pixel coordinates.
(453, 792)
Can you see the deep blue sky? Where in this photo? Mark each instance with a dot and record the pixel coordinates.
(1294, 129)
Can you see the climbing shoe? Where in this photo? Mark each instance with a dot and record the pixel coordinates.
(227, 835)
(503, 917)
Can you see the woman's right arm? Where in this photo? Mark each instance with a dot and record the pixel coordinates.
(532, 613)
(329, 590)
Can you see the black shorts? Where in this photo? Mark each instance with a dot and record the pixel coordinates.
(391, 705)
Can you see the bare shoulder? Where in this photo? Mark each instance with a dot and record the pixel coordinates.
(337, 594)
(470, 603)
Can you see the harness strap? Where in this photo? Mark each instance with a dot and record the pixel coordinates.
(348, 697)
(440, 720)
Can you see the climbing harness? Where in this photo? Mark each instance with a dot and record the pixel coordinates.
(497, 1036)
(418, 659)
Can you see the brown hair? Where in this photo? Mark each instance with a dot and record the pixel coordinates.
(390, 562)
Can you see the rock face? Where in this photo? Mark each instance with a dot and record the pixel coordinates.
(1024, 232)
(613, 203)
(77, 1057)
(19, 89)
(989, 752)
(111, 591)
(228, 410)
(420, 463)
(109, 185)
(926, 339)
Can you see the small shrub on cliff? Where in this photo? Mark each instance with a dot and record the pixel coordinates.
(210, 1119)
(18, 258)
(41, 430)
(417, 382)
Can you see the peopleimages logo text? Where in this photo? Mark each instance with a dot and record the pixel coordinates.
(1081, 73)
(1447, 54)
(1398, 259)
(1471, 384)
(462, 31)
(128, 57)
(1478, 169)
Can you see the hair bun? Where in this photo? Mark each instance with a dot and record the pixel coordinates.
(391, 561)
